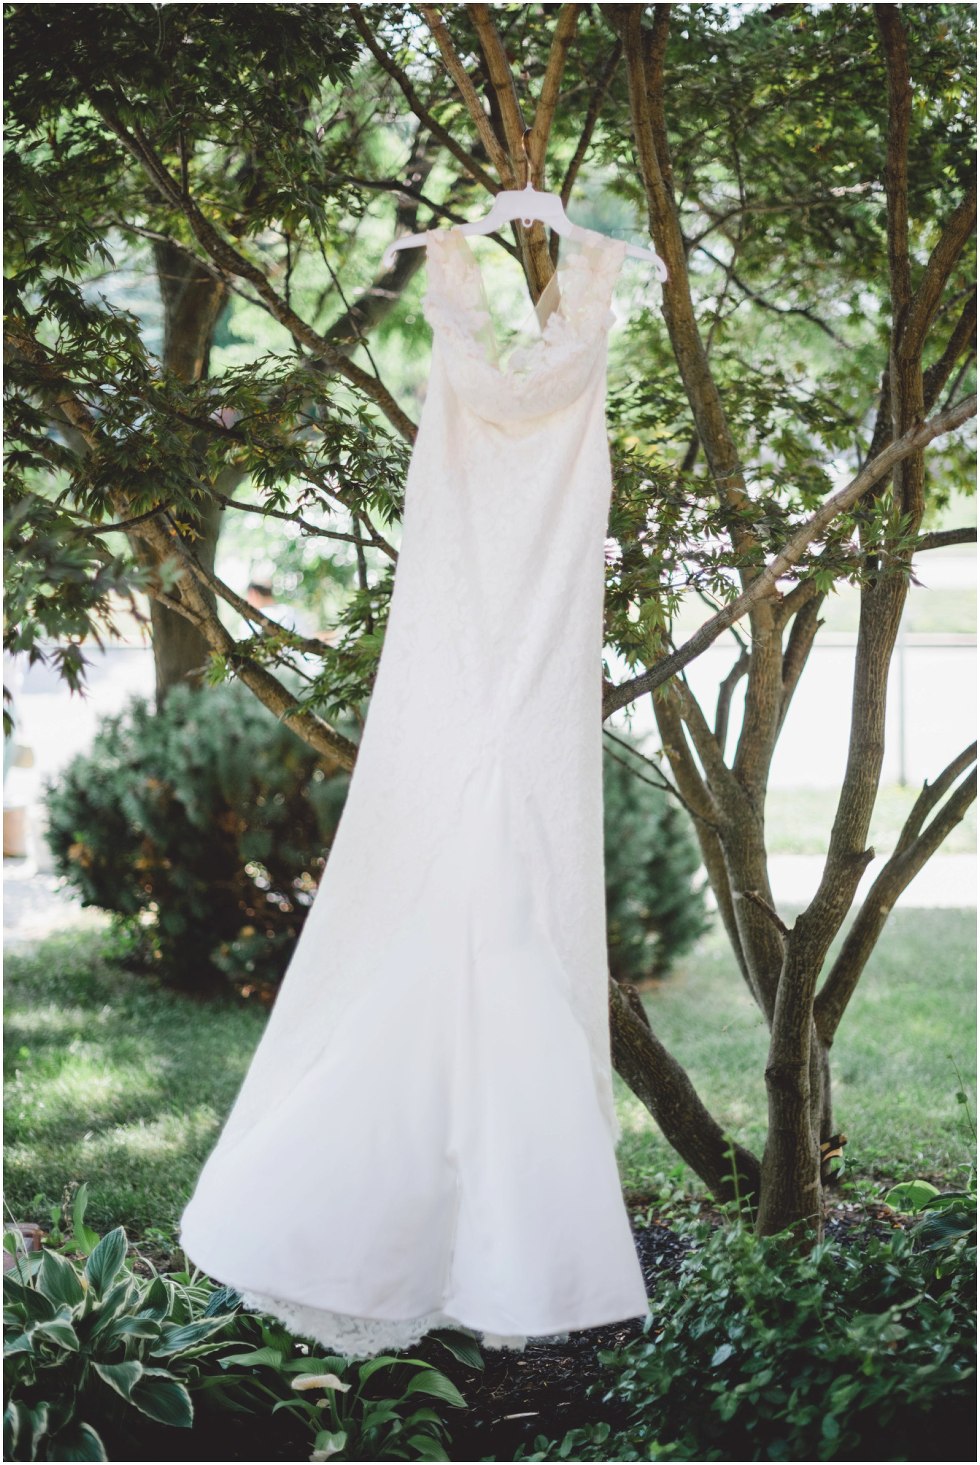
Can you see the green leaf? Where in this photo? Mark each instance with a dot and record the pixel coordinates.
(438, 1386)
(115, 1302)
(722, 1354)
(78, 1443)
(159, 1395)
(462, 1347)
(271, 1356)
(20, 1343)
(58, 1279)
(120, 1376)
(32, 1303)
(59, 1330)
(136, 1327)
(16, 1422)
(175, 1339)
(911, 1195)
(106, 1260)
(374, 1365)
(426, 1447)
(158, 1298)
(85, 1239)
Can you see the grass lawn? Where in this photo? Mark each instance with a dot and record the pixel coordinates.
(122, 1084)
(910, 1026)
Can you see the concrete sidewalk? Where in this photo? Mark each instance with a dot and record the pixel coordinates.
(947, 882)
(35, 905)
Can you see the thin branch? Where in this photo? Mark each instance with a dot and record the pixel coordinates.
(726, 691)
(97, 530)
(661, 781)
(943, 538)
(461, 77)
(930, 796)
(763, 905)
(550, 87)
(764, 584)
(421, 111)
(765, 304)
(311, 529)
(963, 334)
(233, 262)
(591, 118)
(915, 847)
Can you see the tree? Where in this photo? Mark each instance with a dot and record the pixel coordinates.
(252, 145)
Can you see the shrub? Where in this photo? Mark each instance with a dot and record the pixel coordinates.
(860, 1351)
(655, 910)
(204, 828)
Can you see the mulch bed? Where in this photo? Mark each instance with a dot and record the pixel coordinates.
(543, 1390)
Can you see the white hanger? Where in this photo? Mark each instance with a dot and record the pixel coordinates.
(526, 204)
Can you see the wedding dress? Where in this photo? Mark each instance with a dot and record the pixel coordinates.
(425, 1135)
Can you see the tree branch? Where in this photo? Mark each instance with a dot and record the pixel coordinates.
(232, 261)
(418, 107)
(943, 538)
(588, 127)
(726, 691)
(461, 77)
(915, 847)
(550, 87)
(658, 1080)
(764, 584)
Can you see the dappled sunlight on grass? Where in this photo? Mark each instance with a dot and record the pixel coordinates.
(894, 1079)
(117, 1081)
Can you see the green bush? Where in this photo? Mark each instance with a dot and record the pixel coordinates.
(203, 828)
(655, 911)
(756, 1351)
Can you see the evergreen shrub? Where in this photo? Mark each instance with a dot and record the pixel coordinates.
(204, 829)
(655, 905)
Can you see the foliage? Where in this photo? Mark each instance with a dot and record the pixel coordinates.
(204, 827)
(381, 1409)
(655, 911)
(93, 1350)
(859, 1350)
(87, 1344)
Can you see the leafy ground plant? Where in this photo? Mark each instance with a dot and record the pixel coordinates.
(104, 1363)
(87, 1344)
(756, 1351)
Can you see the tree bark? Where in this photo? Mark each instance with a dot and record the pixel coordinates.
(659, 1082)
(192, 301)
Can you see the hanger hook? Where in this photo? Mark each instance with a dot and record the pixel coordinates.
(527, 157)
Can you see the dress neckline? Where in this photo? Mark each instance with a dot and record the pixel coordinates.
(585, 279)
(491, 329)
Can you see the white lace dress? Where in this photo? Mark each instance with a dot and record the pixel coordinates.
(425, 1135)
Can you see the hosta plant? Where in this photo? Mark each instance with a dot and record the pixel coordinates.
(86, 1345)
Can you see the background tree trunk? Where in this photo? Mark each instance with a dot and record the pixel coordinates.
(192, 302)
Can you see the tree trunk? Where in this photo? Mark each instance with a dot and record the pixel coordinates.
(192, 301)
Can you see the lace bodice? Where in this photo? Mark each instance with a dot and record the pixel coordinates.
(548, 372)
